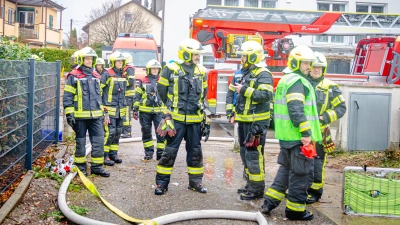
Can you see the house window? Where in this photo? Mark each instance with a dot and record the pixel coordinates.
(26, 17)
(268, 4)
(251, 3)
(214, 2)
(232, 2)
(10, 16)
(370, 8)
(128, 17)
(367, 9)
(50, 21)
(327, 6)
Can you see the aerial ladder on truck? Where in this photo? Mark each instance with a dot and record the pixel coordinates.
(225, 28)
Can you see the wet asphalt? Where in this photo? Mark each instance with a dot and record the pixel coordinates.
(131, 184)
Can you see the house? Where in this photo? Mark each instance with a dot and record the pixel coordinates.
(127, 14)
(34, 22)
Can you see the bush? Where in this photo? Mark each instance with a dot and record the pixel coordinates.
(13, 51)
(51, 55)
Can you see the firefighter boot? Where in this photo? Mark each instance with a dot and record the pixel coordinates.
(266, 208)
(311, 199)
(160, 190)
(107, 160)
(148, 157)
(82, 167)
(292, 215)
(249, 195)
(115, 158)
(243, 189)
(197, 187)
(159, 154)
(98, 170)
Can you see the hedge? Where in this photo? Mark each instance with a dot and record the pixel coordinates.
(51, 55)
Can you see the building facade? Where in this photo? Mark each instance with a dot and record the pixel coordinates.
(127, 13)
(174, 23)
(33, 22)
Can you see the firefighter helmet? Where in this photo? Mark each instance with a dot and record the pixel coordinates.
(117, 56)
(153, 64)
(253, 51)
(128, 57)
(321, 62)
(188, 47)
(75, 54)
(299, 54)
(100, 61)
(86, 52)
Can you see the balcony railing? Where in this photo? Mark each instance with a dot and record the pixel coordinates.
(29, 31)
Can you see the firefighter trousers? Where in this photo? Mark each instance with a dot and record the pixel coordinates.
(293, 175)
(127, 121)
(194, 158)
(112, 135)
(253, 159)
(96, 136)
(146, 121)
(318, 176)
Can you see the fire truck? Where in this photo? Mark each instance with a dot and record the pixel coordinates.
(225, 28)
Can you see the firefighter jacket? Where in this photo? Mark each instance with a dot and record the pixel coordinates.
(129, 72)
(299, 119)
(253, 100)
(183, 88)
(114, 85)
(82, 94)
(147, 98)
(101, 72)
(330, 102)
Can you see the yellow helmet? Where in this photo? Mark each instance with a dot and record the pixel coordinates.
(253, 50)
(187, 48)
(116, 56)
(86, 52)
(153, 64)
(299, 54)
(321, 61)
(128, 57)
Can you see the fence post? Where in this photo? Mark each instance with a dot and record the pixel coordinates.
(31, 105)
(57, 130)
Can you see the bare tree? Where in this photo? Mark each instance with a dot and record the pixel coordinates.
(78, 43)
(117, 20)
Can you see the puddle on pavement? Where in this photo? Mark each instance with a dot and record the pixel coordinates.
(209, 165)
(209, 170)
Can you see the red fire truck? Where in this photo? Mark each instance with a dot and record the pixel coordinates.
(225, 28)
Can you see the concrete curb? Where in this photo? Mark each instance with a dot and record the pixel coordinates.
(17, 196)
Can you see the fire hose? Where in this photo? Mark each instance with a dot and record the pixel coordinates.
(175, 217)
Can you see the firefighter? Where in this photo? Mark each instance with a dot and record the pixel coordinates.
(73, 61)
(331, 107)
(183, 87)
(84, 112)
(151, 108)
(252, 113)
(129, 72)
(296, 125)
(114, 83)
(100, 64)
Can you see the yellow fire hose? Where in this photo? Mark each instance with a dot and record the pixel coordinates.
(92, 188)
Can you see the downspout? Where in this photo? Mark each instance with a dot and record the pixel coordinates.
(162, 31)
(4, 17)
(45, 28)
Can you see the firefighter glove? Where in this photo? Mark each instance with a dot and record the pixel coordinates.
(205, 128)
(308, 151)
(249, 142)
(71, 120)
(327, 142)
(106, 118)
(166, 126)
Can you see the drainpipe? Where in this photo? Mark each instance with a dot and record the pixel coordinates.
(45, 28)
(4, 17)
